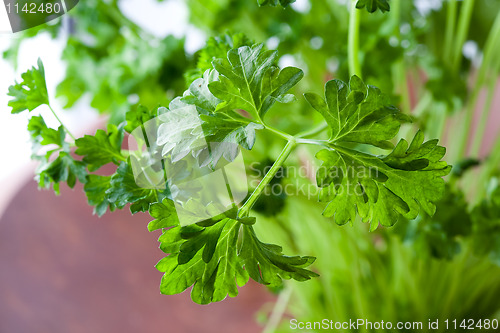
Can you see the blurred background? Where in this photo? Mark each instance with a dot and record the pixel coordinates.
(65, 270)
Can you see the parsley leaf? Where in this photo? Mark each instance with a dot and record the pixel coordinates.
(95, 189)
(31, 92)
(250, 80)
(164, 214)
(63, 169)
(194, 120)
(380, 190)
(211, 281)
(283, 3)
(41, 135)
(372, 5)
(266, 264)
(103, 148)
(220, 129)
(207, 256)
(124, 190)
(137, 117)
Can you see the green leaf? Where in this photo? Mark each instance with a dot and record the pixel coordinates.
(199, 95)
(164, 214)
(95, 189)
(266, 264)
(103, 148)
(206, 256)
(180, 130)
(124, 190)
(358, 113)
(41, 135)
(382, 189)
(63, 169)
(251, 81)
(372, 5)
(31, 92)
(212, 281)
(230, 133)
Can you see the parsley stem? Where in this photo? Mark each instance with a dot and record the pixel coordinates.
(491, 50)
(399, 69)
(463, 29)
(245, 209)
(353, 40)
(282, 134)
(312, 132)
(60, 122)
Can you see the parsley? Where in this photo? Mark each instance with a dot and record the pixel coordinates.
(379, 188)
(31, 92)
(208, 257)
(372, 5)
(102, 148)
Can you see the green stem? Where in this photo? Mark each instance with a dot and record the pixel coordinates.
(60, 122)
(491, 49)
(279, 133)
(396, 16)
(467, 122)
(399, 69)
(353, 40)
(463, 29)
(245, 209)
(313, 142)
(451, 19)
(312, 132)
(278, 311)
(481, 128)
(422, 105)
(437, 122)
(490, 164)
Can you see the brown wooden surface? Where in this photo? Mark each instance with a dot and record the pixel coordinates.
(64, 270)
